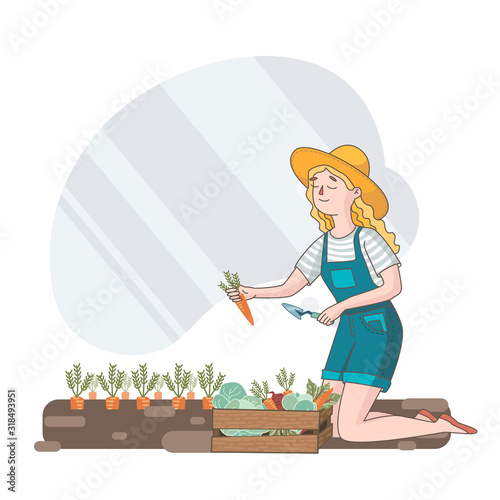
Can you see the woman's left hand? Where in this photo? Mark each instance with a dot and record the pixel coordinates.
(329, 315)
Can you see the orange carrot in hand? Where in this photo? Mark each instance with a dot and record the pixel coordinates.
(234, 282)
(321, 400)
(245, 309)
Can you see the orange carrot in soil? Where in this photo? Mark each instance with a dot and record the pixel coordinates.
(208, 402)
(76, 403)
(321, 400)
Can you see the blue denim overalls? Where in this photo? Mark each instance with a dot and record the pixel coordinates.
(368, 339)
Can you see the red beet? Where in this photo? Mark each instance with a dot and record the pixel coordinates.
(277, 399)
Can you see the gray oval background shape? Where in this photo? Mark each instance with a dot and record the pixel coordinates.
(193, 178)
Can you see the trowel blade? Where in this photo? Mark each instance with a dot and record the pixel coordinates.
(294, 310)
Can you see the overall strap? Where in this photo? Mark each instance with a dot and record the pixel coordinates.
(357, 246)
(325, 247)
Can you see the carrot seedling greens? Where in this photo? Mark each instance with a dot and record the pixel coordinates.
(180, 382)
(115, 379)
(206, 380)
(127, 382)
(94, 382)
(74, 380)
(232, 279)
(141, 380)
(284, 380)
(260, 391)
(159, 384)
(192, 383)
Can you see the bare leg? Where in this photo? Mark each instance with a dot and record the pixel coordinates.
(378, 414)
(338, 387)
(352, 423)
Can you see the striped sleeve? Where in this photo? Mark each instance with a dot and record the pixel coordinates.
(310, 262)
(377, 250)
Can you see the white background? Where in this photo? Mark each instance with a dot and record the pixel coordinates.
(81, 65)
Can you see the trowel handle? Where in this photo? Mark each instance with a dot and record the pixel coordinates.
(315, 315)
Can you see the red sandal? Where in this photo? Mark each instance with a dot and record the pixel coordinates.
(466, 428)
(427, 414)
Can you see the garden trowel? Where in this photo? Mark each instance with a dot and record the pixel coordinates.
(297, 312)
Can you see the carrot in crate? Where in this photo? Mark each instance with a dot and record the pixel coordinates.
(285, 381)
(262, 392)
(323, 396)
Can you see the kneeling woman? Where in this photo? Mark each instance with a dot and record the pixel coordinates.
(356, 257)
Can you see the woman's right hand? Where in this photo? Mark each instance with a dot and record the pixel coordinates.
(234, 294)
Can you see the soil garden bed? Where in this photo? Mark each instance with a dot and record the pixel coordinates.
(226, 419)
(161, 426)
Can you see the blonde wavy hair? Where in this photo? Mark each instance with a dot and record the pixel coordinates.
(361, 212)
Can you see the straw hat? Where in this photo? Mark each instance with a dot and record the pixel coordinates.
(350, 161)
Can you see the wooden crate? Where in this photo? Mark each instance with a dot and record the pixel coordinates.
(318, 424)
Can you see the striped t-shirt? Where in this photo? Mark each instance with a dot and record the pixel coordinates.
(377, 253)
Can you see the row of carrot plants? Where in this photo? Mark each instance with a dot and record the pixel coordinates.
(231, 394)
(181, 381)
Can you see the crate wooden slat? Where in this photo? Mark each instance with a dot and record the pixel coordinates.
(264, 419)
(317, 422)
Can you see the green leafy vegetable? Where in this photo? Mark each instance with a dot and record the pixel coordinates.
(289, 401)
(330, 401)
(220, 401)
(305, 405)
(246, 403)
(257, 402)
(232, 390)
(315, 391)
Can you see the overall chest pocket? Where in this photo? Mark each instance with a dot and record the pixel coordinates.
(342, 278)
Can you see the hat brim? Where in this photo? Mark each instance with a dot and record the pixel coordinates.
(303, 159)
